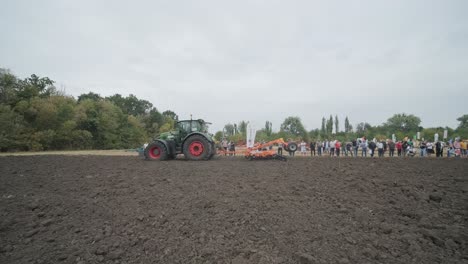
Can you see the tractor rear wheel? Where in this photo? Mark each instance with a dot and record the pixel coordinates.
(156, 151)
(197, 148)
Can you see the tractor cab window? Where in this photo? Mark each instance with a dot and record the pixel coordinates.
(196, 126)
(184, 126)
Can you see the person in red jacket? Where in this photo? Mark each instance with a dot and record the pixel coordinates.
(399, 147)
(337, 148)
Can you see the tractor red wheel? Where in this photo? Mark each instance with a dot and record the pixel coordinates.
(156, 151)
(197, 147)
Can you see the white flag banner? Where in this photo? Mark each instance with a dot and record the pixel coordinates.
(445, 134)
(418, 135)
(250, 136)
(436, 137)
(393, 138)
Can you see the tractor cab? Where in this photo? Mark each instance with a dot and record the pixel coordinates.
(186, 127)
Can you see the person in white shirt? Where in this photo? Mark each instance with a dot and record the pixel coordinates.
(380, 148)
(332, 147)
(429, 148)
(303, 148)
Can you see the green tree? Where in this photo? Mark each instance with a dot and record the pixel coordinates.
(153, 121)
(170, 114)
(12, 126)
(132, 132)
(329, 125)
(228, 130)
(347, 125)
(34, 86)
(131, 105)
(362, 129)
(243, 127)
(463, 122)
(218, 135)
(314, 134)
(293, 127)
(89, 96)
(403, 122)
(462, 129)
(268, 128)
(337, 127)
(323, 130)
(8, 86)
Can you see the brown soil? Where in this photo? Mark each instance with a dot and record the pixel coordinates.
(91, 209)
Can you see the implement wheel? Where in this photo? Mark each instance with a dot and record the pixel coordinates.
(292, 146)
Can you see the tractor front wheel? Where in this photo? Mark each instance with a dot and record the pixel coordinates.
(197, 148)
(156, 151)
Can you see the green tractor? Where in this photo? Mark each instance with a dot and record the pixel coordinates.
(189, 137)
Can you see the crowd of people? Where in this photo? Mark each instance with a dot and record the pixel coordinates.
(229, 147)
(363, 147)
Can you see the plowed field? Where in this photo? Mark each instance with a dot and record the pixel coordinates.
(99, 209)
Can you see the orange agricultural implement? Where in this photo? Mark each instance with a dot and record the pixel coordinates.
(262, 151)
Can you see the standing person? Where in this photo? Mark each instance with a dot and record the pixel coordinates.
(319, 148)
(363, 147)
(438, 146)
(457, 147)
(380, 148)
(349, 146)
(355, 147)
(398, 146)
(422, 149)
(372, 147)
(391, 148)
(463, 148)
(442, 146)
(450, 148)
(429, 149)
(312, 148)
(326, 146)
(332, 148)
(337, 147)
(384, 142)
(225, 146)
(232, 149)
(303, 148)
(404, 146)
(280, 148)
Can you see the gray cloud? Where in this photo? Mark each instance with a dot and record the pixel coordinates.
(252, 60)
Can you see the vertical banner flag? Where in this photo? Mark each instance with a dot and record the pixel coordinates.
(393, 138)
(419, 135)
(436, 137)
(445, 134)
(250, 136)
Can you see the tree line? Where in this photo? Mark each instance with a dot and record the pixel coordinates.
(34, 115)
(401, 125)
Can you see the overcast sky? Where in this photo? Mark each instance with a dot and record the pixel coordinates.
(226, 61)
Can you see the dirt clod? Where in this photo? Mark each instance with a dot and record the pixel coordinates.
(435, 198)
